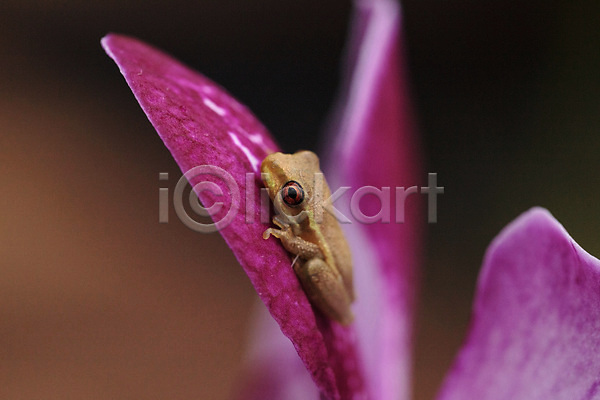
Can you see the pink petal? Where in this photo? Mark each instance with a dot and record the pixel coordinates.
(376, 146)
(203, 125)
(535, 329)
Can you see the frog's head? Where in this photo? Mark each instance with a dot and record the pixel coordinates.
(290, 180)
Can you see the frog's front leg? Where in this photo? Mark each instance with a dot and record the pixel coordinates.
(292, 243)
(325, 290)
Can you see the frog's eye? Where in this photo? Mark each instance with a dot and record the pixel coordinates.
(292, 194)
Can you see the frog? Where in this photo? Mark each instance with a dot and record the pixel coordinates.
(323, 262)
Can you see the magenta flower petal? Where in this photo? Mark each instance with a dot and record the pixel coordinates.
(202, 125)
(535, 329)
(375, 145)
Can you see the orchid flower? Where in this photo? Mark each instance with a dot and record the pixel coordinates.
(536, 313)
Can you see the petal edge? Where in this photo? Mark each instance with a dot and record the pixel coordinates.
(536, 318)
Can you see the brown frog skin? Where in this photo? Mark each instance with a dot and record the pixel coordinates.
(307, 230)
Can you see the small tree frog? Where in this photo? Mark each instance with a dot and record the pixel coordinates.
(323, 262)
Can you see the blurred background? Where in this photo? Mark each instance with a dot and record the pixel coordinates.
(98, 300)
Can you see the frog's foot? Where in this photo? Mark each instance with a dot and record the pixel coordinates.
(285, 233)
(267, 234)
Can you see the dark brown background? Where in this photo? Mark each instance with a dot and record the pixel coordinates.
(97, 300)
